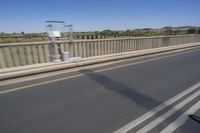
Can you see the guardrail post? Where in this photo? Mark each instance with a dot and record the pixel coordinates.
(54, 52)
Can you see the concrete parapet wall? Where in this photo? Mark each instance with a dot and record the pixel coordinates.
(21, 54)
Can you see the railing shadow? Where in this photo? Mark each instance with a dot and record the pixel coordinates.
(127, 92)
(122, 89)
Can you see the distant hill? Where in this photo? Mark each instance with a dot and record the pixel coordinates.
(181, 28)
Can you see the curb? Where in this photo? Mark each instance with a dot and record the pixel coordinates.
(48, 67)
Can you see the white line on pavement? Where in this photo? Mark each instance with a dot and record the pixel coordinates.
(169, 113)
(78, 75)
(182, 119)
(51, 74)
(155, 110)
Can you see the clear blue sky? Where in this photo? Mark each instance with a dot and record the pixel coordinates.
(90, 15)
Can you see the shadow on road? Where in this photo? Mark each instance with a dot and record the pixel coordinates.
(127, 92)
(122, 89)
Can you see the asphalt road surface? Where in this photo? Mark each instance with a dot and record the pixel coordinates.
(146, 94)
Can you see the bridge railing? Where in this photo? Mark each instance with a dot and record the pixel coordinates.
(20, 54)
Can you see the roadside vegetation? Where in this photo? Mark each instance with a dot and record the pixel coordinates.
(34, 37)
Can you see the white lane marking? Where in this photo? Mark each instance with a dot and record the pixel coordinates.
(169, 113)
(155, 110)
(182, 119)
(78, 75)
(51, 74)
(38, 84)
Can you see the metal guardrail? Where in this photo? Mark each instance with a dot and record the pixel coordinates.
(20, 54)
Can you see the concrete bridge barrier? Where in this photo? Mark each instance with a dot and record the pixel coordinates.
(21, 54)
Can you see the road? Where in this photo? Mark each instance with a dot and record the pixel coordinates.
(144, 94)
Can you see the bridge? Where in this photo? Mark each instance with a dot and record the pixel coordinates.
(121, 85)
